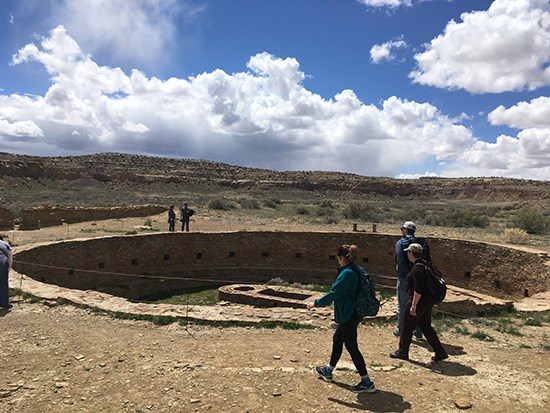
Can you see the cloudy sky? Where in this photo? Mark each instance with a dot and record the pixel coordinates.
(398, 88)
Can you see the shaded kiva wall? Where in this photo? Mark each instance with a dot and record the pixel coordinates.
(6, 219)
(47, 216)
(114, 264)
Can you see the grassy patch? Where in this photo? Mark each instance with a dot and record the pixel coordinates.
(155, 319)
(462, 330)
(193, 296)
(385, 294)
(482, 335)
(533, 322)
(443, 322)
(509, 329)
(286, 325)
(29, 298)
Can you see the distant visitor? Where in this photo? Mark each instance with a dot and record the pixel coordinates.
(185, 214)
(171, 219)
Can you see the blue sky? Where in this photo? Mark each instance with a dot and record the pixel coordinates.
(399, 88)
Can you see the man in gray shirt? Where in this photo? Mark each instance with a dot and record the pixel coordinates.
(6, 258)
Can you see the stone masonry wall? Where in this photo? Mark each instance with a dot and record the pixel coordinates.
(6, 219)
(46, 216)
(119, 265)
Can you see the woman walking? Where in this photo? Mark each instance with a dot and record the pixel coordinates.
(343, 293)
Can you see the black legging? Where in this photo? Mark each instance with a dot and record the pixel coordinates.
(346, 334)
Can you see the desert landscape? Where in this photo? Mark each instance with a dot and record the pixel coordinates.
(67, 358)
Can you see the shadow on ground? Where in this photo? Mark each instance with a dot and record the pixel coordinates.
(381, 401)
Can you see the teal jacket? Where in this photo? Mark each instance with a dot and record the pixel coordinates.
(342, 293)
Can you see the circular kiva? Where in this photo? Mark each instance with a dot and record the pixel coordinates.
(143, 265)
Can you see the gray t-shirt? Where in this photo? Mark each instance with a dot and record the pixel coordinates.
(6, 253)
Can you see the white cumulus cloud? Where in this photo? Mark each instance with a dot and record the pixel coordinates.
(385, 51)
(138, 31)
(525, 156)
(504, 48)
(262, 117)
(386, 3)
(523, 115)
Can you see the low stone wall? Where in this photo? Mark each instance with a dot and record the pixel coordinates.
(6, 219)
(142, 265)
(47, 216)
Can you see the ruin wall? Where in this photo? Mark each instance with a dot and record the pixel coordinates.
(47, 216)
(6, 219)
(149, 264)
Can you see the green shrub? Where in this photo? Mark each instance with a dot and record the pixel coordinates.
(331, 219)
(531, 220)
(249, 204)
(461, 218)
(363, 211)
(302, 210)
(271, 203)
(327, 204)
(221, 204)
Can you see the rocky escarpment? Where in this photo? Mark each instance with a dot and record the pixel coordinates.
(122, 169)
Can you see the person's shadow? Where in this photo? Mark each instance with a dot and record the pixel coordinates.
(381, 401)
(4, 311)
(451, 349)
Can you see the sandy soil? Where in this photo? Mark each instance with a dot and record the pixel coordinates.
(67, 359)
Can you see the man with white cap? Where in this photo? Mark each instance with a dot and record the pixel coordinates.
(403, 266)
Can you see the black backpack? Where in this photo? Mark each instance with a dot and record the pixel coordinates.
(436, 289)
(425, 247)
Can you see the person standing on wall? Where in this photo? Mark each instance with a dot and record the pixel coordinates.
(418, 311)
(403, 266)
(171, 219)
(6, 259)
(343, 293)
(185, 214)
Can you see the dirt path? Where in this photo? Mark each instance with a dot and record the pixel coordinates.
(65, 359)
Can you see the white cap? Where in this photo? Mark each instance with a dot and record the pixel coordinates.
(409, 225)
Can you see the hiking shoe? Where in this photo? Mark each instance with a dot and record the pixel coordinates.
(398, 355)
(324, 373)
(439, 357)
(395, 332)
(364, 387)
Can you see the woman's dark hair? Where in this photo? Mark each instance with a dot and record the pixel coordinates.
(349, 252)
